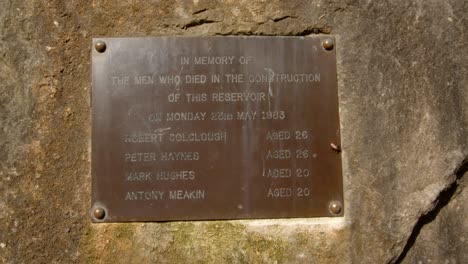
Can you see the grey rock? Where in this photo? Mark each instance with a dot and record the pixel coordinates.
(403, 86)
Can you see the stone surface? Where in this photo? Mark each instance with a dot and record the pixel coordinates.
(402, 73)
(443, 238)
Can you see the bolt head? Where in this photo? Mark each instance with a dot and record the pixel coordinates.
(100, 46)
(328, 44)
(99, 213)
(335, 207)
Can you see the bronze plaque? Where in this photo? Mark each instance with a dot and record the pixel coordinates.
(192, 128)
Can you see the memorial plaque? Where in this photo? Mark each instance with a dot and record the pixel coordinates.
(193, 128)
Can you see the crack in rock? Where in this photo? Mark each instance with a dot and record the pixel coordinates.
(282, 18)
(313, 30)
(199, 22)
(443, 199)
(200, 11)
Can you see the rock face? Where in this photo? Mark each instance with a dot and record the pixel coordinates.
(403, 85)
(442, 238)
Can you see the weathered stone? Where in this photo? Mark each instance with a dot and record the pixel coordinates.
(402, 73)
(440, 236)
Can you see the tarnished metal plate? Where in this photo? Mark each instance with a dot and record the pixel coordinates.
(191, 128)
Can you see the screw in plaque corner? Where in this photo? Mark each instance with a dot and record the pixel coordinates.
(335, 207)
(99, 213)
(100, 46)
(328, 44)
